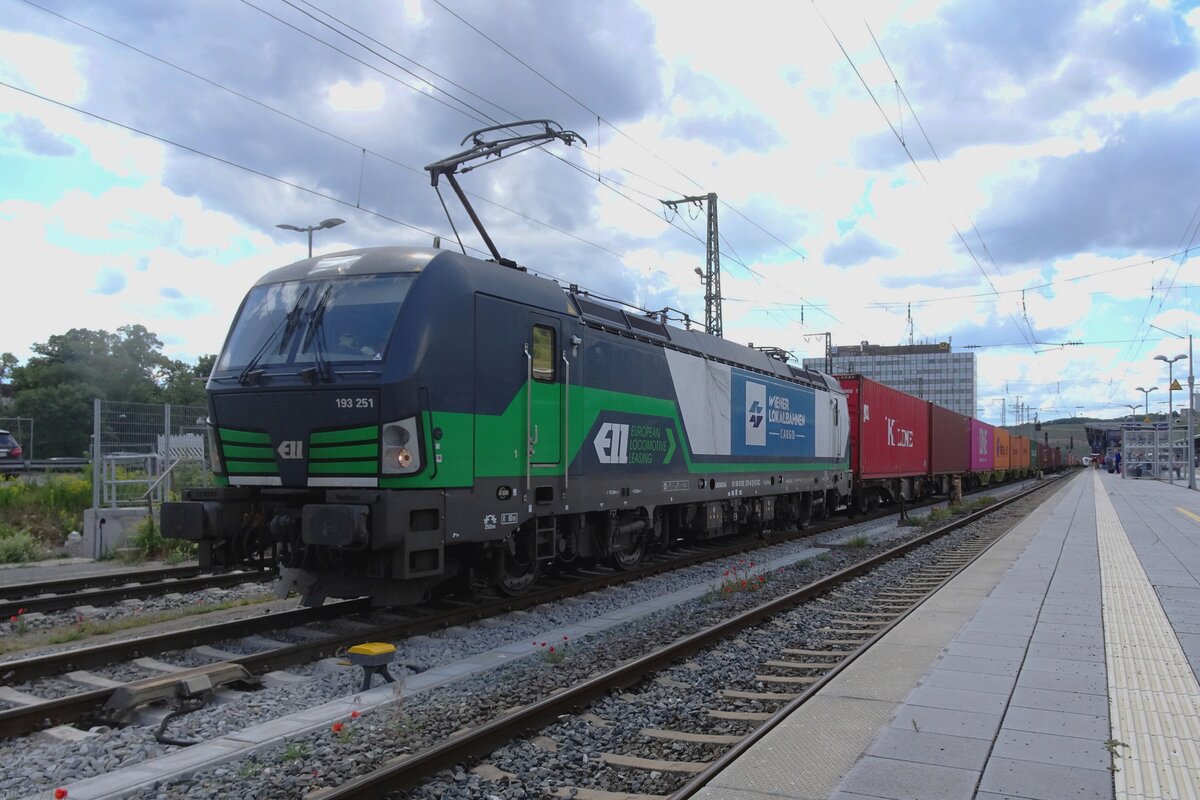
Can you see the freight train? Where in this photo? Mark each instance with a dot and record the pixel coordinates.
(391, 421)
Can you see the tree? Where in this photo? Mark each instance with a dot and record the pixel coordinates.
(57, 385)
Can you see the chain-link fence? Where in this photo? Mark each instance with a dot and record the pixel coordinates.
(22, 429)
(143, 452)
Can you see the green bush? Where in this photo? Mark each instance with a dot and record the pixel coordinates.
(18, 547)
(47, 506)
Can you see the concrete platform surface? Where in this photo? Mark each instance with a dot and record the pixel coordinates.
(1061, 664)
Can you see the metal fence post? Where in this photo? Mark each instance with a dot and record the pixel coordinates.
(96, 453)
(165, 463)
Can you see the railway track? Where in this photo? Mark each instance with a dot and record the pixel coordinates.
(460, 722)
(792, 678)
(45, 596)
(17, 721)
(85, 705)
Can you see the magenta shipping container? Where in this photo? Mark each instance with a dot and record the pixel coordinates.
(889, 430)
(949, 441)
(981, 446)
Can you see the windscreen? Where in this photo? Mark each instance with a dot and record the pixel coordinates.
(348, 319)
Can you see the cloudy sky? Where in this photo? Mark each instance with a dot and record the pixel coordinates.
(1020, 177)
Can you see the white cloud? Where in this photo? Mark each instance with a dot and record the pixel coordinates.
(365, 96)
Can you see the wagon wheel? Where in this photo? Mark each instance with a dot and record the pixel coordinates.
(514, 566)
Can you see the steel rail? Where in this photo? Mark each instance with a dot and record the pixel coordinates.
(152, 587)
(16, 591)
(406, 772)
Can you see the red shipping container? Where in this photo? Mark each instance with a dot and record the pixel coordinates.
(949, 441)
(982, 446)
(889, 430)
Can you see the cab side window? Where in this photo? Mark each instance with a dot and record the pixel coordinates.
(543, 353)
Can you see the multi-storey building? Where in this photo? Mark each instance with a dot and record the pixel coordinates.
(928, 371)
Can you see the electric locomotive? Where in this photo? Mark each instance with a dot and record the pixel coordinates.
(388, 420)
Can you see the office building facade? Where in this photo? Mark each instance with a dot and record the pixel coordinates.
(929, 371)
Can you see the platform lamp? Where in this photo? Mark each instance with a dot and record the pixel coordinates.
(324, 224)
(1146, 393)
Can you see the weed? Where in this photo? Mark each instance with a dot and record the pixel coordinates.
(1113, 747)
(859, 541)
(18, 546)
(20, 626)
(250, 769)
(295, 751)
(343, 733)
(740, 576)
(147, 542)
(554, 654)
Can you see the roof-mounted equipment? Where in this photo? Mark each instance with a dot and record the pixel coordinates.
(483, 148)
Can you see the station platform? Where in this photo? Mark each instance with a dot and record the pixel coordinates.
(1062, 663)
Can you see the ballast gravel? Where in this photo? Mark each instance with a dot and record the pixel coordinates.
(326, 759)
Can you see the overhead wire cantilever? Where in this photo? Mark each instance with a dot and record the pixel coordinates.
(483, 149)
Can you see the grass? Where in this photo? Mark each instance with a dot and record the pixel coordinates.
(85, 628)
(858, 541)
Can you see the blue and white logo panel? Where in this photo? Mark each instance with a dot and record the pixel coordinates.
(756, 406)
(771, 418)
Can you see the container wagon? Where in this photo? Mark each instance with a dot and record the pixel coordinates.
(949, 447)
(889, 442)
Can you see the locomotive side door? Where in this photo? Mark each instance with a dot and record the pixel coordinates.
(544, 391)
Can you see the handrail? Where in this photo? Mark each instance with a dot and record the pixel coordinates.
(529, 440)
(566, 431)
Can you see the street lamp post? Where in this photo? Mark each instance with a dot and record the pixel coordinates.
(1170, 362)
(324, 224)
(1146, 393)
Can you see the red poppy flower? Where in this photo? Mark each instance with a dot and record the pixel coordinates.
(60, 793)
(564, 638)
(355, 715)
(337, 727)
(551, 648)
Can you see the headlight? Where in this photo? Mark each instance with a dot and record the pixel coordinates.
(214, 448)
(401, 448)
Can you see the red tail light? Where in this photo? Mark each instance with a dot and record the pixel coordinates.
(15, 452)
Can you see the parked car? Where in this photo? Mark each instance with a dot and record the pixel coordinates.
(9, 447)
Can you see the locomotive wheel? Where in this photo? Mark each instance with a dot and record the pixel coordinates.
(514, 573)
(629, 555)
(804, 515)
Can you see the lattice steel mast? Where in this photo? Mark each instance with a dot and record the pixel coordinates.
(712, 261)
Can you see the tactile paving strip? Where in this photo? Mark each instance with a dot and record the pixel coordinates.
(1154, 699)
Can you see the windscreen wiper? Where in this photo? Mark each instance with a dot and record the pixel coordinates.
(293, 320)
(250, 374)
(316, 336)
